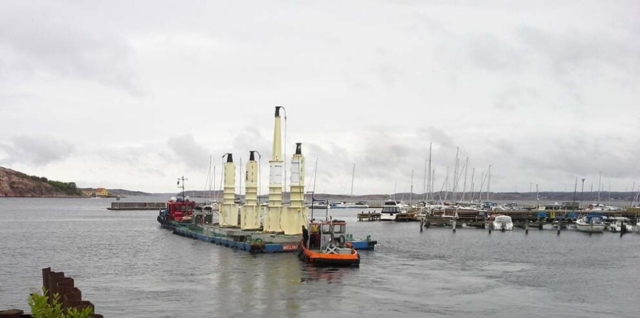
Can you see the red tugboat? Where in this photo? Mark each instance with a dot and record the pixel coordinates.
(328, 246)
(178, 212)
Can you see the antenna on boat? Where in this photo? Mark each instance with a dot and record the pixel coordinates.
(182, 186)
(313, 193)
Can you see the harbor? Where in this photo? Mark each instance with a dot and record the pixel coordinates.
(131, 264)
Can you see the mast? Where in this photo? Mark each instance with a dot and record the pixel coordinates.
(488, 183)
(454, 187)
(424, 184)
(213, 179)
(411, 193)
(182, 186)
(207, 182)
(313, 193)
(464, 187)
(431, 176)
(599, 179)
(353, 174)
(575, 191)
(473, 171)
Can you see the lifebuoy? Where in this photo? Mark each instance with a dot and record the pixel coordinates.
(341, 239)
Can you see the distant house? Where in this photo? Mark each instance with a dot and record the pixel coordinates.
(88, 193)
(99, 192)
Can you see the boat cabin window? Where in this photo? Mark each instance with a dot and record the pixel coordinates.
(337, 228)
(390, 209)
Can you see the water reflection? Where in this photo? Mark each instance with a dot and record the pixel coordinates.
(330, 275)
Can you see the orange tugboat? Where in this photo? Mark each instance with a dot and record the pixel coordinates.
(328, 246)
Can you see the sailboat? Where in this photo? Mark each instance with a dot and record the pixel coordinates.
(350, 205)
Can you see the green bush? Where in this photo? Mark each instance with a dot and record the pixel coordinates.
(40, 307)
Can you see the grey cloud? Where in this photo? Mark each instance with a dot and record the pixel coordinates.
(581, 156)
(437, 136)
(577, 52)
(188, 151)
(494, 54)
(38, 150)
(55, 46)
(250, 138)
(516, 97)
(135, 155)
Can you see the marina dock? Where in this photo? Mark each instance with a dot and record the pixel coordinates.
(521, 219)
(137, 206)
(368, 216)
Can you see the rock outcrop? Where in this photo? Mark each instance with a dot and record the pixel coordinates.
(17, 184)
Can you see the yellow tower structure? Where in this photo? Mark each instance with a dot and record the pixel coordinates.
(228, 210)
(296, 214)
(274, 209)
(250, 219)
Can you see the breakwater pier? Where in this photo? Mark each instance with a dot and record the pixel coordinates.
(137, 206)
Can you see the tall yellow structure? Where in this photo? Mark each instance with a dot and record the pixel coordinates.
(228, 210)
(296, 214)
(250, 216)
(274, 208)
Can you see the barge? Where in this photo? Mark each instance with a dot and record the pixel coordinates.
(251, 227)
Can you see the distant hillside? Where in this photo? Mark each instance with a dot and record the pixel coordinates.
(17, 184)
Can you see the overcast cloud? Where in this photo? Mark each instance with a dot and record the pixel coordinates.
(133, 95)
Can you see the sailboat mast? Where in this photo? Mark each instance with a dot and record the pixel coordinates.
(353, 174)
(599, 179)
(313, 193)
(488, 183)
(464, 187)
(411, 193)
(213, 179)
(430, 189)
(424, 184)
(454, 187)
(207, 191)
(473, 172)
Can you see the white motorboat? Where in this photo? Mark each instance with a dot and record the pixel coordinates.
(390, 209)
(615, 224)
(501, 223)
(591, 223)
(601, 207)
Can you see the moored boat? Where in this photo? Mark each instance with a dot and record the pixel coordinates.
(590, 223)
(328, 246)
(390, 210)
(500, 223)
(179, 211)
(616, 223)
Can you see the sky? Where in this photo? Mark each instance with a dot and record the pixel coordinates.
(135, 94)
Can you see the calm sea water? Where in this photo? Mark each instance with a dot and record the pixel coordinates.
(127, 265)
